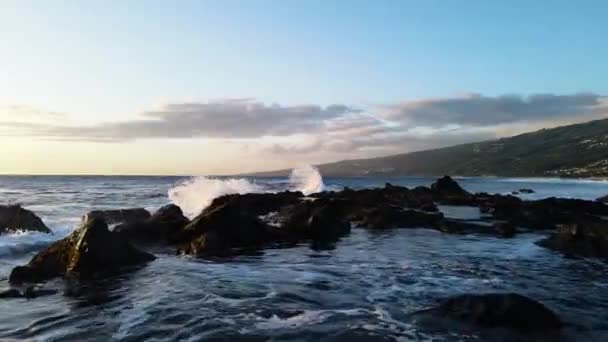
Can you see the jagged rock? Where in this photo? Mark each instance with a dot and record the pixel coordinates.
(14, 217)
(543, 214)
(116, 216)
(589, 239)
(258, 204)
(161, 227)
(320, 220)
(387, 216)
(507, 310)
(89, 250)
(448, 191)
(223, 228)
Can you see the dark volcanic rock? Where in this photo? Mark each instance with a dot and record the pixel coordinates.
(588, 239)
(161, 227)
(387, 216)
(505, 229)
(318, 220)
(13, 217)
(223, 227)
(505, 310)
(446, 186)
(89, 250)
(116, 216)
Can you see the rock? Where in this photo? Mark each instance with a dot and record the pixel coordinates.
(320, 220)
(387, 216)
(447, 189)
(505, 229)
(161, 227)
(526, 191)
(258, 204)
(89, 250)
(116, 216)
(507, 310)
(542, 214)
(223, 229)
(14, 217)
(10, 293)
(588, 239)
(29, 293)
(603, 199)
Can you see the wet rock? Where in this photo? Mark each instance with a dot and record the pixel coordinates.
(116, 216)
(387, 216)
(589, 239)
(29, 293)
(603, 199)
(89, 250)
(320, 220)
(541, 214)
(447, 187)
(10, 293)
(507, 310)
(224, 228)
(526, 191)
(161, 227)
(505, 229)
(14, 217)
(257, 204)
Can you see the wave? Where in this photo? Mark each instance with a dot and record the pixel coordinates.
(307, 179)
(195, 194)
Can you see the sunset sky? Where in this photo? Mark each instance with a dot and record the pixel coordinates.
(218, 87)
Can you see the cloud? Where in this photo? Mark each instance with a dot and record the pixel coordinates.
(479, 110)
(20, 112)
(336, 130)
(233, 118)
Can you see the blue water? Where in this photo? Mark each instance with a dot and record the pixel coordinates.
(365, 288)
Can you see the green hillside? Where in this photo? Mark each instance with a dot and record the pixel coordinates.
(579, 150)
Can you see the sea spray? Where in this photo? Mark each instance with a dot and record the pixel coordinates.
(194, 194)
(307, 179)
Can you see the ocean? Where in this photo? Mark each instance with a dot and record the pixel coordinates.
(363, 289)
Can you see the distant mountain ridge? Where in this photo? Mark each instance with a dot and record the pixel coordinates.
(579, 150)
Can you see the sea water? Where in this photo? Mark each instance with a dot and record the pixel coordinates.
(364, 288)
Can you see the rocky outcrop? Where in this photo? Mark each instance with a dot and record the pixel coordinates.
(160, 228)
(585, 239)
(14, 217)
(89, 250)
(506, 310)
(319, 220)
(224, 228)
(526, 191)
(447, 188)
(118, 216)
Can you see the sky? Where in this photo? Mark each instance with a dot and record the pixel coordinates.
(225, 86)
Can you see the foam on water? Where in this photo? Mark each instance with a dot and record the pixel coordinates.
(194, 194)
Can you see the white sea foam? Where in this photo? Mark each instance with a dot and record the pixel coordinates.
(194, 194)
(307, 179)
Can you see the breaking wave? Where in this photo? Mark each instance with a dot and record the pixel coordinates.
(196, 193)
